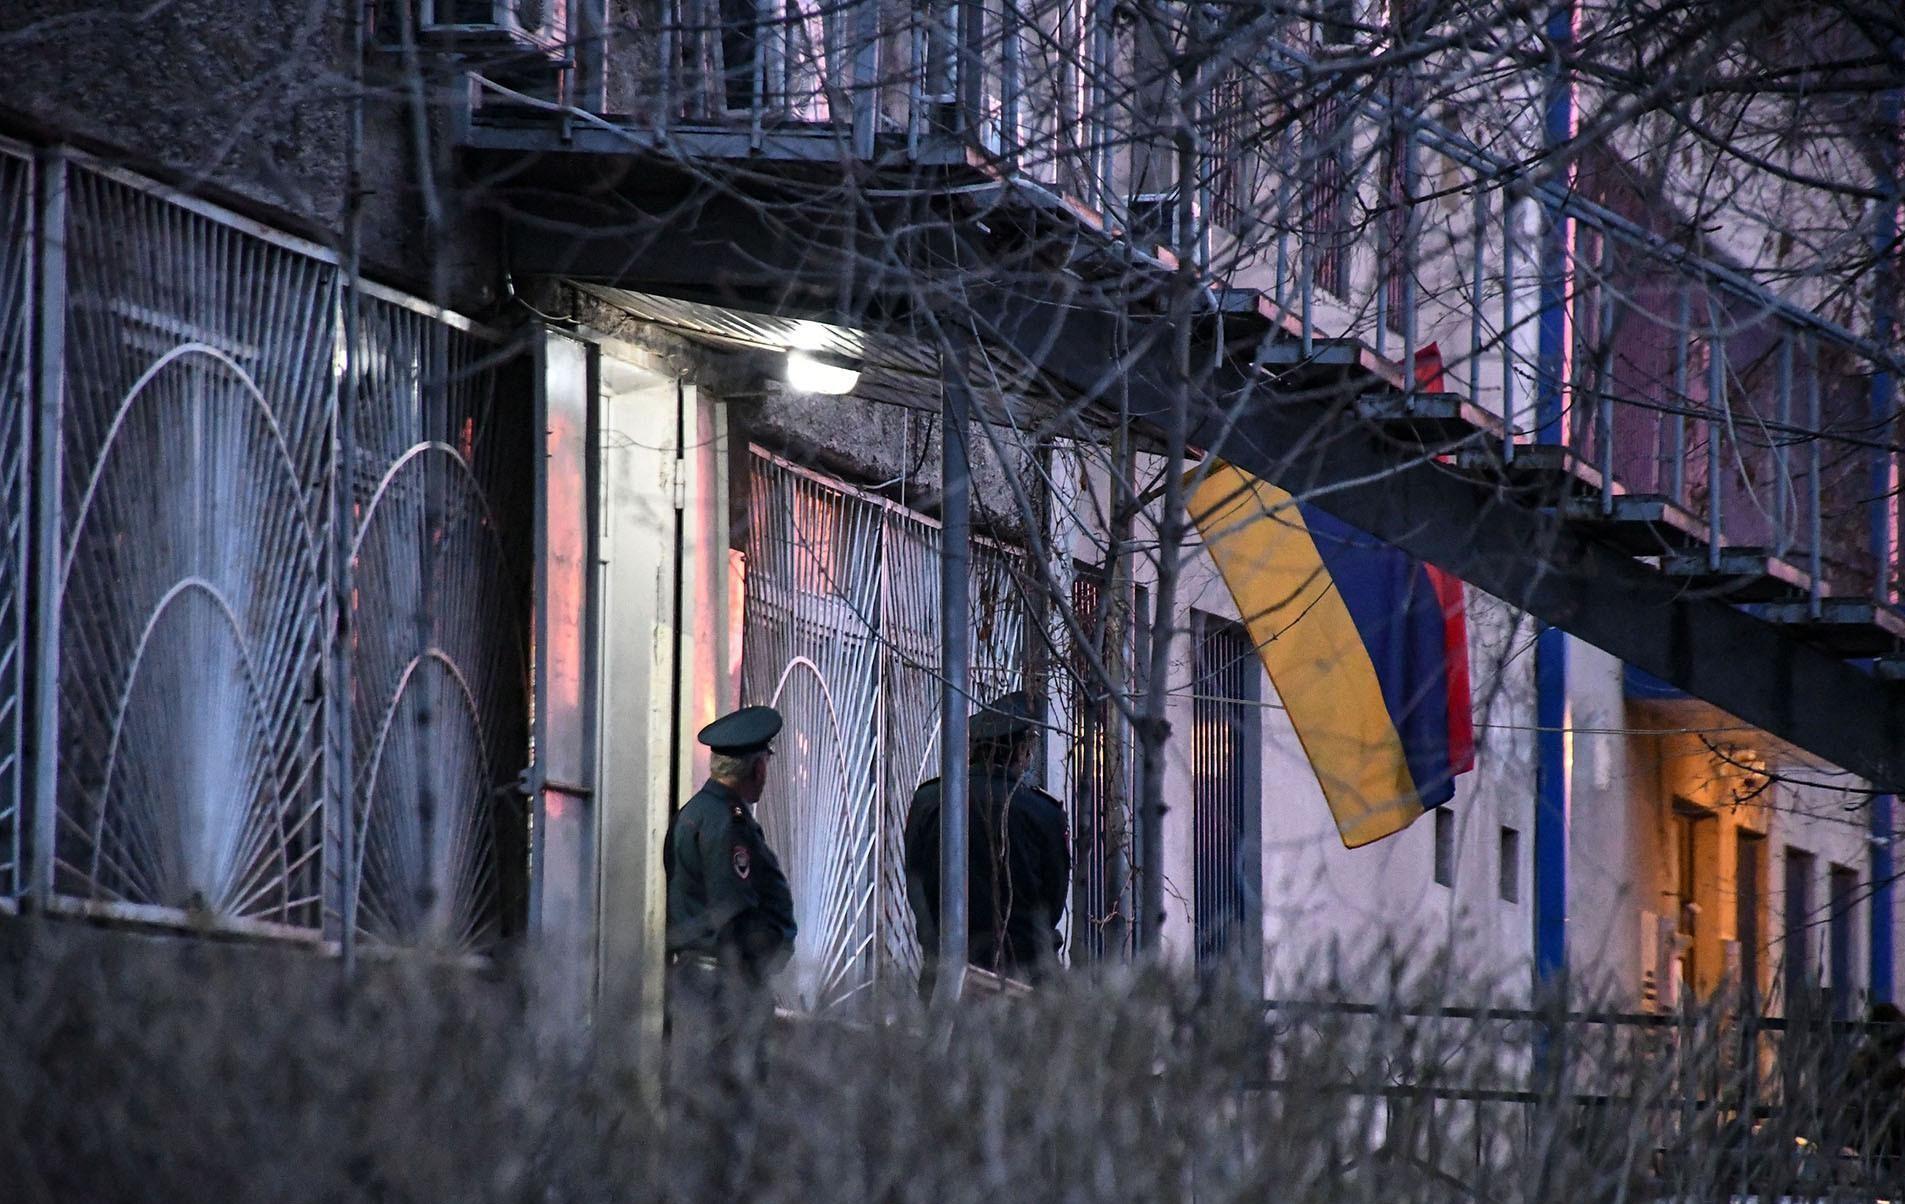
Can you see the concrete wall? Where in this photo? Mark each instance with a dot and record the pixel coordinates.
(248, 102)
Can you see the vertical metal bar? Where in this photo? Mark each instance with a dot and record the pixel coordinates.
(343, 793)
(1282, 286)
(1814, 521)
(48, 541)
(1508, 327)
(972, 75)
(591, 47)
(955, 667)
(670, 24)
(1385, 261)
(1683, 334)
(1782, 446)
(1717, 412)
(1406, 264)
(1551, 328)
(1604, 375)
(1476, 280)
(1009, 140)
(763, 67)
(916, 80)
(1883, 484)
(1308, 303)
(866, 77)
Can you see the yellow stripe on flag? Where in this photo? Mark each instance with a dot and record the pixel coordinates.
(1256, 535)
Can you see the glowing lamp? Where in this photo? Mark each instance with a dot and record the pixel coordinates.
(813, 372)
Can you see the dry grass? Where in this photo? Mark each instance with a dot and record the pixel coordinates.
(134, 1068)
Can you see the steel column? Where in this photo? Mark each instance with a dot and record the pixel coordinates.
(955, 663)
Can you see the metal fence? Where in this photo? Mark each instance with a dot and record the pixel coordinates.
(16, 285)
(1509, 1102)
(194, 372)
(842, 634)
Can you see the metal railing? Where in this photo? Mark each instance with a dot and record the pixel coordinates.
(1756, 423)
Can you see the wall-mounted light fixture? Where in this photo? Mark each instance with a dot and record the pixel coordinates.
(820, 372)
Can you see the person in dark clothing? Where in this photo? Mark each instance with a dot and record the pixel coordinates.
(730, 910)
(1019, 861)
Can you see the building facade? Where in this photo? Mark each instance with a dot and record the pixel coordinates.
(399, 472)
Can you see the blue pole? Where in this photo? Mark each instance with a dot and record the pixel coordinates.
(1883, 953)
(1551, 809)
(1879, 978)
(1551, 648)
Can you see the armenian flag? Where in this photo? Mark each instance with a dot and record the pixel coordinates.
(1365, 644)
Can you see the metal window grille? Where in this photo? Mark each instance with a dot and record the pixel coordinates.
(1842, 883)
(1801, 976)
(1101, 773)
(1444, 847)
(16, 285)
(1750, 879)
(201, 367)
(841, 632)
(1234, 121)
(439, 661)
(1510, 866)
(1224, 752)
(1328, 192)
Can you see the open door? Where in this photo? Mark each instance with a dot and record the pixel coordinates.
(632, 641)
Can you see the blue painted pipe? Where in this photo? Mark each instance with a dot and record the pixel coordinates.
(1883, 953)
(1551, 644)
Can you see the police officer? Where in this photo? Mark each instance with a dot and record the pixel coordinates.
(1019, 862)
(730, 913)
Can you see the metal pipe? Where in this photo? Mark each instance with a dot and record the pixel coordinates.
(1882, 952)
(955, 655)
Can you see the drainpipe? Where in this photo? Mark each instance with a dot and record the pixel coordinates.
(955, 658)
(1879, 978)
(1551, 647)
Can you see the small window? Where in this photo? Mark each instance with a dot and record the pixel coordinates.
(1511, 866)
(1444, 847)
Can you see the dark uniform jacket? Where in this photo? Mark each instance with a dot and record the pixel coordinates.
(727, 896)
(1018, 869)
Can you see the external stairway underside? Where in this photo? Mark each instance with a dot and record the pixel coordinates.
(959, 253)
